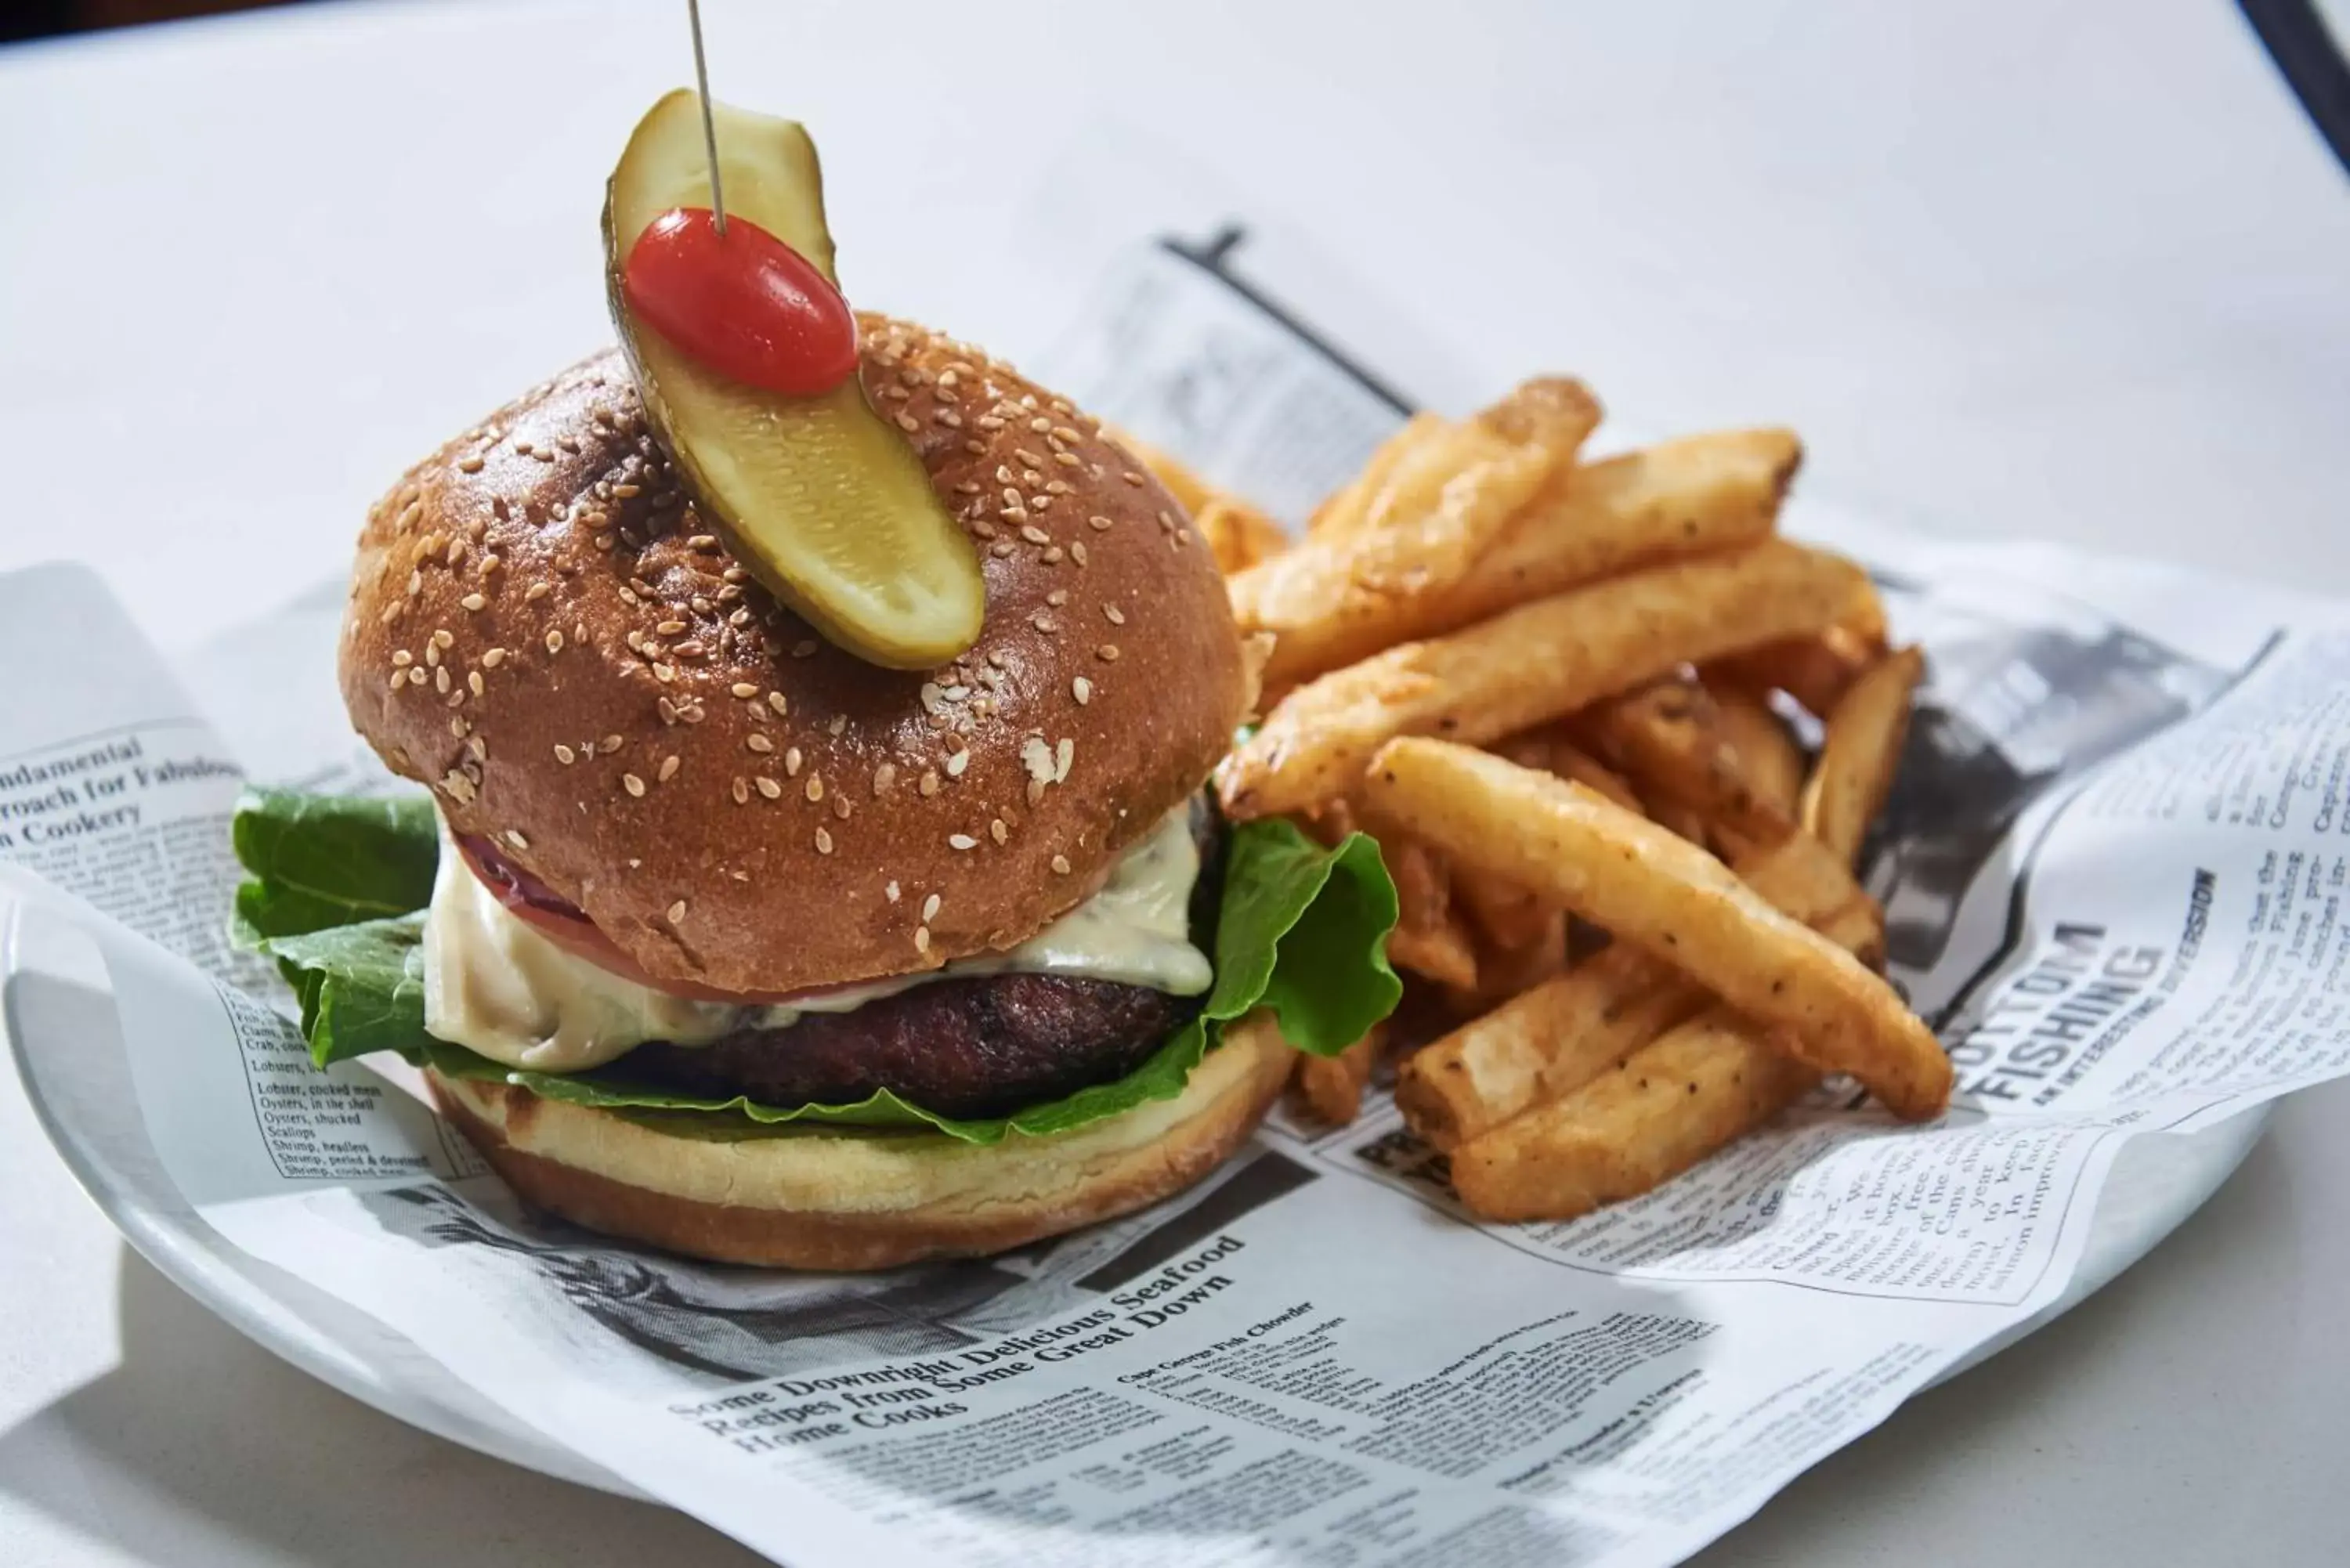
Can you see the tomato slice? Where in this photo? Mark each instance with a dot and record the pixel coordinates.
(539, 907)
(743, 302)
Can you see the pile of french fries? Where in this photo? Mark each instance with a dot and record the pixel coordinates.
(1566, 695)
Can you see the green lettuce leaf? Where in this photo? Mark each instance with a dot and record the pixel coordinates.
(324, 860)
(1302, 929)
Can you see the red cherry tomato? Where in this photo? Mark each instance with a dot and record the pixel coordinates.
(743, 303)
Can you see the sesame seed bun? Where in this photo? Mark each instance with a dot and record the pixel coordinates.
(828, 1198)
(545, 631)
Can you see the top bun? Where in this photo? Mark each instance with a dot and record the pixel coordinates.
(543, 630)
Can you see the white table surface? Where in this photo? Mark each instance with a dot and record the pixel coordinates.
(2077, 272)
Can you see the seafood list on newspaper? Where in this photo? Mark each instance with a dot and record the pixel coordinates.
(2113, 871)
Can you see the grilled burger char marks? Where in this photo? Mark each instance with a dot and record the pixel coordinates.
(986, 1046)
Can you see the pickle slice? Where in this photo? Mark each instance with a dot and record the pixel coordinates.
(821, 497)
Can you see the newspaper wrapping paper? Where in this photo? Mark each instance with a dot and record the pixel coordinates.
(2113, 868)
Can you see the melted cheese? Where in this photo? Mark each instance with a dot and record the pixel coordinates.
(494, 984)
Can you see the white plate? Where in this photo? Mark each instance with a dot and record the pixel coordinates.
(59, 1020)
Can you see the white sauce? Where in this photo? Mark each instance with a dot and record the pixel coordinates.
(494, 985)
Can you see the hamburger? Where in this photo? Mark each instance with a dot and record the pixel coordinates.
(716, 934)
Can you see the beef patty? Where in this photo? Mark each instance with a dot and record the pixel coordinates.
(986, 1046)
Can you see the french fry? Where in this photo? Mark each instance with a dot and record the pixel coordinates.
(1670, 736)
(1428, 937)
(1346, 593)
(1531, 664)
(1549, 748)
(1348, 509)
(1814, 670)
(1330, 1088)
(1505, 969)
(1558, 1035)
(1862, 747)
(1238, 534)
(1703, 1084)
(1434, 513)
(1674, 899)
(1700, 1086)
(1773, 764)
(1539, 1044)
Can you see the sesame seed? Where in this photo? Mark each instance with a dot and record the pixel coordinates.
(668, 769)
(1060, 865)
(930, 908)
(516, 839)
(890, 893)
(432, 655)
(440, 681)
(1001, 549)
(758, 742)
(1107, 653)
(1044, 623)
(677, 911)
(610, 744)
(956, 764)
(779, 702)
(929, 783)
(474, 601)
(1063, 754)
(401, 658)
(814, 789)
(1131, 477)
(670, 628)
(922, 937)
(742, 792)
(997, 831)
(1052, 556)
(555, 641)
(444, 638)
(1077, 551)
(769, 788)
(1058, 597)
(1066, 459)
(792, 762)
(743, 689)
(536, 592)
(633, 784)
(494, 657)
(416, 676)
(469, 466)
(664, 673)
(473, 681)
(1114, 615)
(1082, 689)
(1099, 524)
(565, 755)
(710, 542)
(961, 841)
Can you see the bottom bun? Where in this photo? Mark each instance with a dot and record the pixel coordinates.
(816, 1198)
